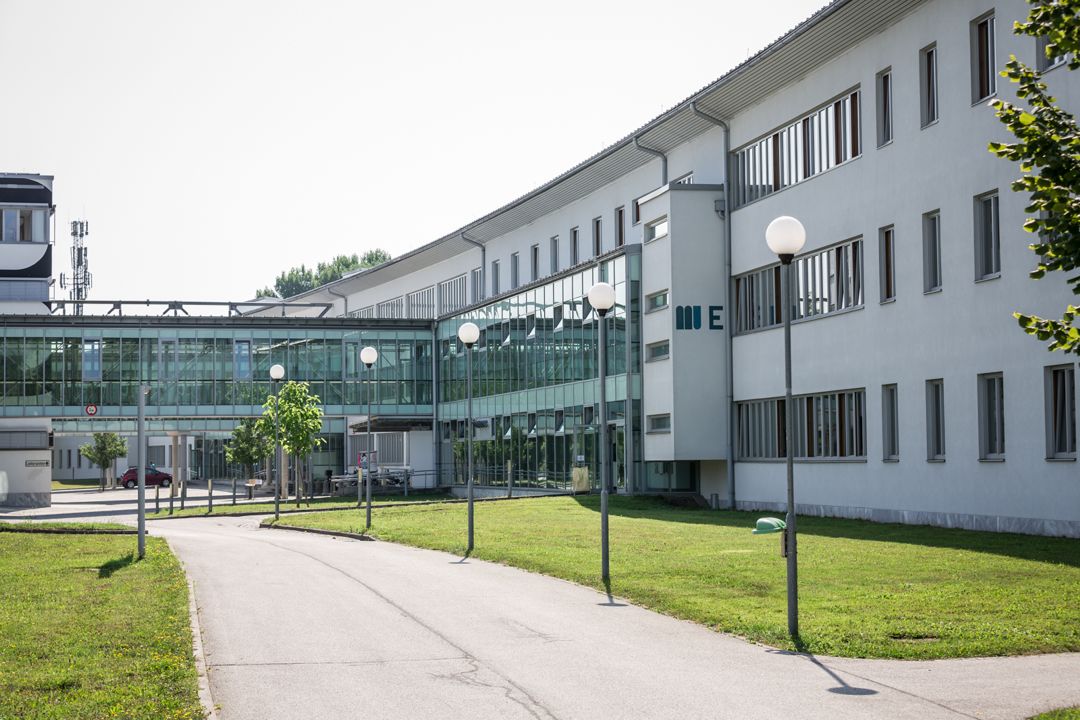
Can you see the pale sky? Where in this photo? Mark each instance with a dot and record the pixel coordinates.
(212, 144)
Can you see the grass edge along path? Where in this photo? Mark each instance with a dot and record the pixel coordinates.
(1072, 713)
(90, 632)
(866, 589)
(67, 528)
(262, 507)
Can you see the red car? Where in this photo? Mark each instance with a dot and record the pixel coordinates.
(153, 477)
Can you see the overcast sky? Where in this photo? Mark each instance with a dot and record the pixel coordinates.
(212, 144)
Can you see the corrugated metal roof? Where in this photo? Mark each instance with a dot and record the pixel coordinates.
(827, 33)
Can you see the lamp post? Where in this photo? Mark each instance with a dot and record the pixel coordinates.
(140, 458)
(369, 356)
(602, 298)
(277, 372)
(786, 236)
(468, 334)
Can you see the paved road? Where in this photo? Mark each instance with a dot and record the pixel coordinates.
(297, 625)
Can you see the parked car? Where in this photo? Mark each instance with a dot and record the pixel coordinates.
(154, 476)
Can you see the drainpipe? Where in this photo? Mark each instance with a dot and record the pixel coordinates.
(330, 289)
(727, 278)
(657, 153)
(483, 263)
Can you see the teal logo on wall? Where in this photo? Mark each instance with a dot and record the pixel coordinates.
(688, 317)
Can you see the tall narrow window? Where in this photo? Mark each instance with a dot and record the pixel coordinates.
(620, 227)
(931, 251)
(554, 251)
(1043, 61)
(884, 107)
(242, 359)
(575, 250)
(597, 237)
(983, 77)
(888, 271)
(987, 237)
(534, 263)
(1061, 412)
(890, 429)
(928, 84)
(494, 277)
(91, 360)
(476, 278)
(991, 417)
(935, 420)
(515, 278)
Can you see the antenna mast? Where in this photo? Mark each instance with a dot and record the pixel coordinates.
(81, 279)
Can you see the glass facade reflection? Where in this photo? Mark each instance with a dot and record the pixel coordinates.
(535, 384)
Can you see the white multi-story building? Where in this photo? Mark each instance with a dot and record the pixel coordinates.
(918, 399)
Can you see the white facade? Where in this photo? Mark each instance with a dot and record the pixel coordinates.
(956, 328)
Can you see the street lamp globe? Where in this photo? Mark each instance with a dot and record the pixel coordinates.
(468, 334)
(602, 297)
(369, 355)
(277, 372)
(785, 236)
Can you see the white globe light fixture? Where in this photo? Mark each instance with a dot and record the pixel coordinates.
(468, 334)
(369, 355)
(602, 297)
(277, 372)
(785, 236)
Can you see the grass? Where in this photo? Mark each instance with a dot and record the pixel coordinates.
(86, 631)
(1063, 714)
(866, 589)
(227, 508)
(62, 525)
(71, 484)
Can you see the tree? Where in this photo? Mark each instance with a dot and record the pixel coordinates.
(302, 279)
(1047, 148)
(252, 442)
(104, 450)
(300, 418)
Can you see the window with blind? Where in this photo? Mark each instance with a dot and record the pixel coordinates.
(1061, 412)
(825, 426)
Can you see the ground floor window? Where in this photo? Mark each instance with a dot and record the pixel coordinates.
(824, 426)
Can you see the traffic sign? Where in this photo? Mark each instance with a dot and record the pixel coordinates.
(91, 410)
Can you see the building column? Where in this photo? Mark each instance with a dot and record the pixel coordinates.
(175, 465)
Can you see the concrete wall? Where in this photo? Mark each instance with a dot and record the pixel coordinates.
(25, 475)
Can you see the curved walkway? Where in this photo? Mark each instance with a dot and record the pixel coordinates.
(299, 626)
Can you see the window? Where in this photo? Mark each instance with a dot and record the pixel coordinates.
(597, 237)
(826, 426)
(476, 280)
(928, 89)
(620, 227)
(554, 250)
(420, 304)
(931, 224)
(91, 360)
(393, 308)
(820, 141)
(242, 359)
(514, 276)
(575, 251)
(656, 229)
(659, 423)
(637, 212)
(494, 277)
(452, 295)
(935, 420)
(9, 226)
(824, 282)
(884, 107)
(991, 417)
(352, 360)
(24, 225)
(1061, 412)
(890, 432)
(983, 77)
(656, 301)
(658, 351)
(534, 263)
(987, 237)
(1043, 62)
(886, 261)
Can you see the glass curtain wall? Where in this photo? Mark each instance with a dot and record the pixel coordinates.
(535, 386)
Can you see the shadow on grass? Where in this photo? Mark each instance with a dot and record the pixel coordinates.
(610, 598)
(1037, 548)
(107, 569)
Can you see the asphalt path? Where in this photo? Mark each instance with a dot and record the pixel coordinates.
(295, 625)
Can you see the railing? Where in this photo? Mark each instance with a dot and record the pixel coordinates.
(176, 307)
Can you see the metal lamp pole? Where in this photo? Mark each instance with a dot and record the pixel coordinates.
(369, 356)
(785, 237)
(140, 458)
(602, 298)
(468, 334)
(277, 372)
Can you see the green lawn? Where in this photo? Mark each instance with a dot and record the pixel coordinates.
(62, 525)
(866, 589)
(1063, 714)
(88, 632)
(71, 484)
(227, 508)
